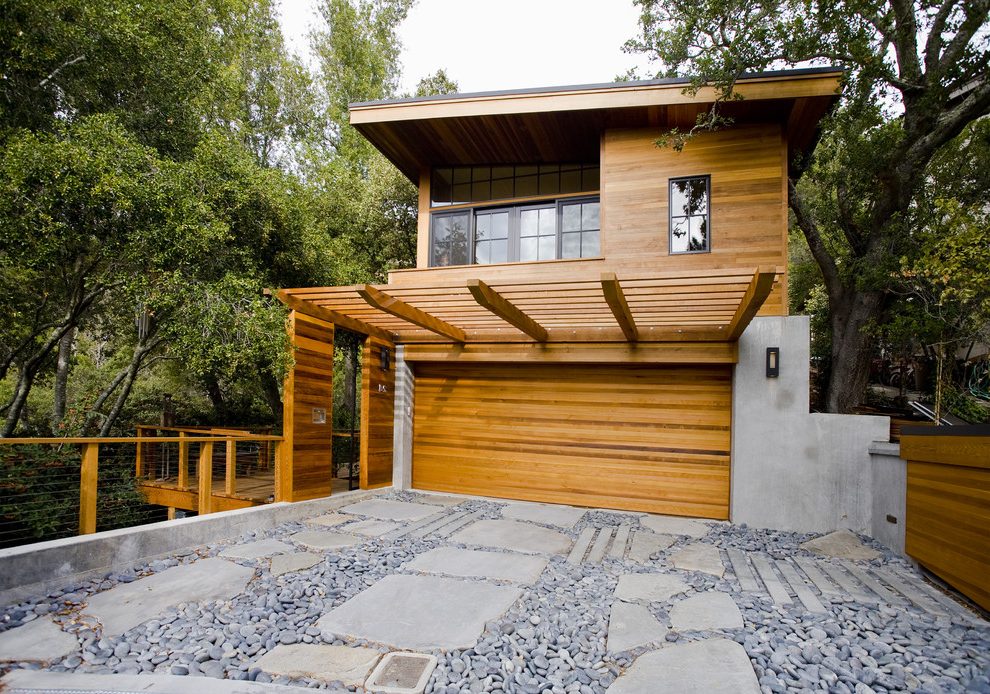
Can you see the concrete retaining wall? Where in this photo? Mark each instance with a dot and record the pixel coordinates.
(791, 469)
(889, 489)
(38, 568)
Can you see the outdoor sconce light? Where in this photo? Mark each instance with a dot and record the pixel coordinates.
(386, 358)
(773, 362)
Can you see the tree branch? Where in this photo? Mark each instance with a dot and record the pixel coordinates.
(953, 52)
(54, 73)
(951, 123)
(816, 244)
(933, 46)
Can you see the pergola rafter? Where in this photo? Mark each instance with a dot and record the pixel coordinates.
(407, 312)
(497, 304)
(616, 301)
(756, 293)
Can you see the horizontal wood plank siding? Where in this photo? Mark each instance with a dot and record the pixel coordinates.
(377, 414)
(948, 509)
(650, 439)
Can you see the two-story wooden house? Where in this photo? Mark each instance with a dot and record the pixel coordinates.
(570, 331)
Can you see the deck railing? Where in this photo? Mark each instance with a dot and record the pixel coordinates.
(111, 482)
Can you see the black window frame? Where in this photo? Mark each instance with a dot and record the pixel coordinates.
(670, 213)
(514, 235)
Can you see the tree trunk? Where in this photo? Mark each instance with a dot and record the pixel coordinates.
(216, 398)
(65, 350)
(851, 314)
(269, 388)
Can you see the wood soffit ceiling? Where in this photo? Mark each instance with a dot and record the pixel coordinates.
(675, 307)
(533, 126)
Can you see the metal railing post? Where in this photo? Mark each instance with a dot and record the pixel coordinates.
(88, 476)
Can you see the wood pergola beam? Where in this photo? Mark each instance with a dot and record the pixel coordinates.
(616, 300)
(506, 310)
(316, 311)
(400, 309)
(757, 292)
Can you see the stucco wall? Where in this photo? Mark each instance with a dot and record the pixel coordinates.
(402, 430)
(791, 469)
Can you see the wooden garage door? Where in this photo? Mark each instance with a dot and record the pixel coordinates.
(642, 439)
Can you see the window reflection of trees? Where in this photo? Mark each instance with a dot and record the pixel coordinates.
(689, 215)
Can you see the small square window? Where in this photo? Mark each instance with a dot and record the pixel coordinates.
(690, 214)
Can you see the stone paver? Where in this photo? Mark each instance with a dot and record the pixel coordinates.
(747, 581)
(675, 525)
(699, 557)
(649, 587)
(561, 516)
(23, 681)
(372, 528)
(841, 544)
(386, 509)
(597, 551)
(325, 539)
(330, 519)
(801, 590)
(618, 548)
(472, 563)
(514, 535)
(778, 593)
(402, 673)
(128, 604)
(41, 640)
(420, 612)
(256, 550)
(644, 545)
(713, 666)
(632, 626)
(294, 561)
(350, 665)
(441, 500)
(706, 611)
(581, 545)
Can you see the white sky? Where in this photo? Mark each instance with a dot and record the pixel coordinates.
(503, 44)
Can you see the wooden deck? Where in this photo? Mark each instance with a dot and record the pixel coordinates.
(252, 490)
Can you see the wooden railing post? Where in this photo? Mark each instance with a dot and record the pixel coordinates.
(88, 475)
(230, 479)
(281, 490)
(205, 474)
(183, 482)
(138, 455)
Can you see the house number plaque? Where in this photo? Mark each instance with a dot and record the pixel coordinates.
(319, 415)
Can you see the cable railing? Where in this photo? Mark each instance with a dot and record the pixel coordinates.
(52, 488)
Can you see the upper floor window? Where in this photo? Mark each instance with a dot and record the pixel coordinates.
(690, 214)
(471, 184)
(567, 228)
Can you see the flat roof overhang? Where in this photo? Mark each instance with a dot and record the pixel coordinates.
(564, 124)
(638, 308)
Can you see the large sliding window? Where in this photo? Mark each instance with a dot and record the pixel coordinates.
(567, 228)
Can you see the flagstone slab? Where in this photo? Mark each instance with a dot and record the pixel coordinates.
(440, 500)
(294, 561)
(632, 626)
(256, 550)
(330, 519)
(841, 544)
(473, 563)
(706, 611)
(386, 509)
(649, 587)
(320, 662)
(372, 528)
(699, 557)
(675, 525)
(548, 514)
(713, 666)
(325, 539)
(126, 605)
(40, 640)
(515, 536)
(421, 613)
(644, 545)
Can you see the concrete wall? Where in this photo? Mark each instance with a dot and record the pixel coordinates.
(37, 568)
(791, 469)
(405, 384)
(889, 486)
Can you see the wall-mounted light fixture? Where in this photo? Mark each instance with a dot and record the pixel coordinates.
(386, 358)
(773, 362)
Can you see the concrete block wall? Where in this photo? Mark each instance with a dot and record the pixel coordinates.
(792, 469)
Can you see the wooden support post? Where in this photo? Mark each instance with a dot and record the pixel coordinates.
(399, 308)
(506, 310)
(616, 301)
(757, 292)
(171, 513)
(205, 474)
(183, 482)
(88, 476)
(138, 455)
(230, 477)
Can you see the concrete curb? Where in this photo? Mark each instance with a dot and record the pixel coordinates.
(39, 568)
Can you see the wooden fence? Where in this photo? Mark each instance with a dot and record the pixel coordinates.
(947, 529)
